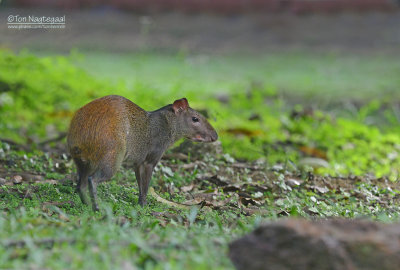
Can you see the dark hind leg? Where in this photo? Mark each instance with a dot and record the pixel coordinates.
(106, 169)
(102, 175)
(82, 183)
(143, 177)
(81, 187)
(93, 193)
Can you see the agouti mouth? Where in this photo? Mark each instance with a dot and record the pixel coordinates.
(199, 138)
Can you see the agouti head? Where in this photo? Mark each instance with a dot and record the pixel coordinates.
(192, 124)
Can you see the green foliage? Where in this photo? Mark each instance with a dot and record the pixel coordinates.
(351, 147)
(123, 234)
(39, 95)
(38, 92)
(45, 225)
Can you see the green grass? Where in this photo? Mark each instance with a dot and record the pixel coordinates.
(122, 234)
(321, 77)
(260, 107)
(41, 94)
(46, 226)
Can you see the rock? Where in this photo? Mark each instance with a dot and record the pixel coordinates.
(31, 177)
(17, 179)
(335, 244)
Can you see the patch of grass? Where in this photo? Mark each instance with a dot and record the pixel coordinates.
(123, 234)
(322, 78)
(45, 225)
(86, 241)
(253, 120)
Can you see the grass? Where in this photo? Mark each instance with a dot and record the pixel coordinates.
(249, 111)
(122, 235)
(44, 225)
(276, 109)
(321, 77)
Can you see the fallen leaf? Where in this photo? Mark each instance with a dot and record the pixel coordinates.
(314, 152)
(217, 181)
(244, 132)
(321, 190)
(314, 162)
(187, 188)
(293, 182)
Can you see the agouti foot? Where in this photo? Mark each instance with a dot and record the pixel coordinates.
(83, 198)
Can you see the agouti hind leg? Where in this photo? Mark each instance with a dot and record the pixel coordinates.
(81, 187)
(143, 177)
(93, 193)
(103, 174)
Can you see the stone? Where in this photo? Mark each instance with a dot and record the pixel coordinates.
(17, 179)
(333, 244)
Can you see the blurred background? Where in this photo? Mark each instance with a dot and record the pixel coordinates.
(280, 79)
(209, 26)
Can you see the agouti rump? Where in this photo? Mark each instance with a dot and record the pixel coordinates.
(111, 129)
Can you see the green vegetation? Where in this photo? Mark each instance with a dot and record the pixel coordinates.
(39, 96)
(44, 224)
(273, 113)
(125, 234)
(324, 78)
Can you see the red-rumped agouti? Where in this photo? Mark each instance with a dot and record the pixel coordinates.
(111, 129)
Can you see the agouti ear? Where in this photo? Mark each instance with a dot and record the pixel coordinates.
(180, 105)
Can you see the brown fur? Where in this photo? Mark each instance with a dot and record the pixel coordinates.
(111, 129)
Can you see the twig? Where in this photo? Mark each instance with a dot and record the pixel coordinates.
(179, 156)
(61, 136)
(162, 200)
(186, 165)
(246, 166)
(46, 242)
(15, 144)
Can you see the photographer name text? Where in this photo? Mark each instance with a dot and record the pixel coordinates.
(17, 19)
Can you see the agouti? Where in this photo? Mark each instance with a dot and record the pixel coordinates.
(111, 129)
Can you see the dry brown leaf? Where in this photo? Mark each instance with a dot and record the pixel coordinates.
(187, 188)
(314, 152)
(244, 132)
(248, 211)
(217, 181)
(321, 190)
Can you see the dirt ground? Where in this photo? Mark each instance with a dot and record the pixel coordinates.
(111, 30)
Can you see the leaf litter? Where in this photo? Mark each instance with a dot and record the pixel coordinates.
(217, 182)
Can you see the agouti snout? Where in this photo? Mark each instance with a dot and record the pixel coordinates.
(111, 129)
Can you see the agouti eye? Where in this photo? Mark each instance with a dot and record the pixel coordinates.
(195, 119)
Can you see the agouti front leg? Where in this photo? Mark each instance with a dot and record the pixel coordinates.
(143, 177)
